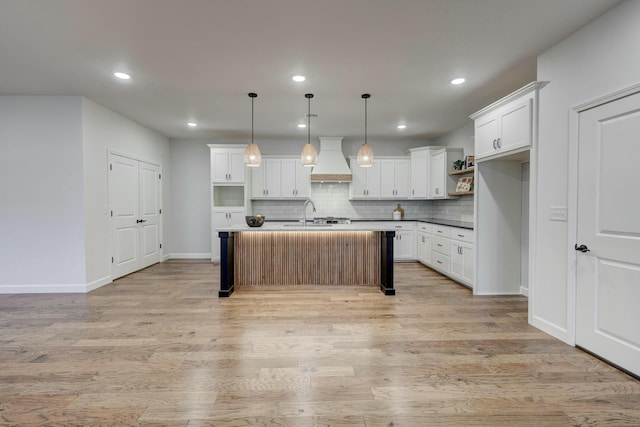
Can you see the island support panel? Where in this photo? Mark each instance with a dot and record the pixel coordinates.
(226, 263)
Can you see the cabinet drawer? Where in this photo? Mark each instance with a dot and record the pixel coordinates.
(401, 225)
(441, 245)
(441, 262)
(425, 227)
(462, 234)
(441, 230)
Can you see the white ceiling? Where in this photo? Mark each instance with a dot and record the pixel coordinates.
(198, 59)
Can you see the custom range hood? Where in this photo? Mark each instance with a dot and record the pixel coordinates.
(331, 166)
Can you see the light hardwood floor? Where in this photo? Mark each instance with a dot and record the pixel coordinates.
(159, 347)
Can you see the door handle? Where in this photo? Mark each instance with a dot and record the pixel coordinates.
(582, 248)
(140, 220)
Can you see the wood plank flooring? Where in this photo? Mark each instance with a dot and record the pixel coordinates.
(158, 347)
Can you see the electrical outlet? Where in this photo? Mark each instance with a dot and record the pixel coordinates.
(558, 213)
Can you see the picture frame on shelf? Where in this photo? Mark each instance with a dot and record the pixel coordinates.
(469, 162)
(465, 184)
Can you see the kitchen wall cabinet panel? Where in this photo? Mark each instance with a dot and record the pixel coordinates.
(266, 179)
(227, 165)
(295, 179)
(365, 182)
(395, 178)
(421, 171)
(441, 164)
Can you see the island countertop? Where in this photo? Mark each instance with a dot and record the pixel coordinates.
(356, 224)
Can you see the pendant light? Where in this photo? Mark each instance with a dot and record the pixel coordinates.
(365, 153)
(252, 155)
(309, 153)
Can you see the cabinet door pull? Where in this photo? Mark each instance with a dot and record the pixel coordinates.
(499, 142)
(439, 245)
(460, 235)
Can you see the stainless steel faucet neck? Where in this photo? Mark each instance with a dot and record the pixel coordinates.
(304, 211)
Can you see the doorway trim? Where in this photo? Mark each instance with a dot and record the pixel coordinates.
(572, 199)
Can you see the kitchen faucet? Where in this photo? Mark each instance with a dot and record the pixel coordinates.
(304, 211)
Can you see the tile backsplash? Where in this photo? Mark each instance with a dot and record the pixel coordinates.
(332, 199)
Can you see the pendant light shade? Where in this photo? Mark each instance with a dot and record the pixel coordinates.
(365, 153)
(252, 155)
(309, 153)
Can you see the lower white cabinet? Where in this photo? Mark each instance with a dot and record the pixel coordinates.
(221, 218)
(404, 245)
(423, 243)
(462, 255)
(448, 250)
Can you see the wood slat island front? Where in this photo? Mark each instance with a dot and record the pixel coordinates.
(306, 256)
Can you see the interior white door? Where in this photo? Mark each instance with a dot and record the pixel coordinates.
(134, 198)
(123, 200)
(149, 199)
(608, 225)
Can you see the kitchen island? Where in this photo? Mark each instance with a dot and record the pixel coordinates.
(292, 254)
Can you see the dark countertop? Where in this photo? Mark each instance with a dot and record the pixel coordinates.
(447, 222)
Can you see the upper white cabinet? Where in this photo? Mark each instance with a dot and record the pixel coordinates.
(395, 178)
(296, 179)
(280, 178)
(421, 171)
(227, 165)
(266, 179)
(365, 183)
(441, 164)
(506, 126)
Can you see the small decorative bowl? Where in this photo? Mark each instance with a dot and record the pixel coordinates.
(254, 220)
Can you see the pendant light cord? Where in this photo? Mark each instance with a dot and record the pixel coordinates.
(309, 121)
(252, 119)
(365, 120)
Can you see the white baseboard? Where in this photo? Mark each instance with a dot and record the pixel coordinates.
(98, 283)
(43, 289)
(191, 256)
(524, 291)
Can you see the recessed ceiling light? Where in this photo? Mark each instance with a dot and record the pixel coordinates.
(458, 81)
(122, 76)
(402, 126)
(192, 124)
(298, 78)
(302, 125)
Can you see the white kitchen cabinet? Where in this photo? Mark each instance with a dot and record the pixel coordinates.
(365, 183)
(505, 134)
(506, 126)
(423, 243)
(404, 245)
(441, 164)
(221, 218)
(266, 179)
(395, 178)
(462, 256)
(295, 179)
(420, 171)
(227, 165)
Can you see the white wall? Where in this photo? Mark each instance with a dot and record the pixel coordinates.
(598, 59)
(461, 137)
(191, 216)
(105, 130)
(41, 206)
